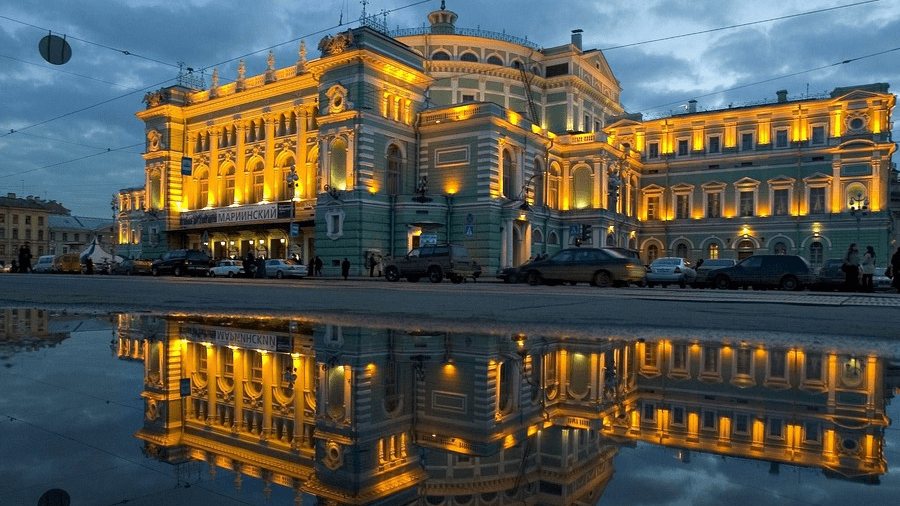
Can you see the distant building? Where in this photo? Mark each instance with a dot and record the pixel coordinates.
(73, 234)
(445, 134)
(23, 220)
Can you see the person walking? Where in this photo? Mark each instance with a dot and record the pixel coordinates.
(25, 258)
(868, 269)
(851, 269)
(345, 268)
(895, 270)
(318, 266)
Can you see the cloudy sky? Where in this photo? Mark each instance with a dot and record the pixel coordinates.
(68, 132)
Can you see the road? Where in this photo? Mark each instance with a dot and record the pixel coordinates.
(476, 307)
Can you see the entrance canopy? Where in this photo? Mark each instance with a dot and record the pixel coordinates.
(98, 255)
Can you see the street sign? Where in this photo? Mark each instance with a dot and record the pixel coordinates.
(428, 240)
(295, 229)
(470, 230)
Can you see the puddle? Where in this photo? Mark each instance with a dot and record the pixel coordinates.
(218, 409)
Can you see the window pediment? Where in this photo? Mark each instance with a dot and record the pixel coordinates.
(714, 186)
(818, 177)
(746, 183)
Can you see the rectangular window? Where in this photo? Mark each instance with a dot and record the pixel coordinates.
(744, 361)
(468, 98)
(682, 147)
(781, 138)
(15, 233)
(713, 145)
(65, 236)
(682, 207)
(652, 208)
(818, 135)
(746, 205)
(649, 412)
(28, 219)
(780, 202)
(817, 200)
(679, 357)
(77, 237)
(653, 150)
(777, 364)
(678, 415)
(775, 428)
(27, 234)
(741, 424)
(3, 218)
(15, 219)
(713, 205)
(709, 419)
(587, 123)
(811, 432)
(746, 141)
(814, 366)
(710, 360)
(650, 355)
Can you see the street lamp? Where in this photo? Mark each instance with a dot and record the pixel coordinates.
(859, 207)
(526, 193)
(292, 178)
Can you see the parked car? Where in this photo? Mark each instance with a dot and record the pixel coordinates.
(788, 272)
(597, 266)
(702, 269)
(180, 262)
(227, 268)
(880, 282)
(830, 277)
(67, 262)
(44, 265)
(133, 266)
(278, 268)
(437, 262)
(667, 271)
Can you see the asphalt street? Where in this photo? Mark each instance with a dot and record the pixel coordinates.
(486, 306)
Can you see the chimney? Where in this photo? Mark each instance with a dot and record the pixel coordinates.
(576, 38)
(692, 105)
(782, 96)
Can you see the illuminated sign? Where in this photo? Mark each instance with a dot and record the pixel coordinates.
(238, 214)
(237, 338)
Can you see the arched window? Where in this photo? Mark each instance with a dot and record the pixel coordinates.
(506, 386)
(712, 251)
(553, 238)
(202, 189)
(468, 57)
(392, 180)
(228, 191)
(780, 248)
(610, 240)
(516, 64)
(338, 173)
(553, 187)
(508, 169)
(258, 180)
(816, 253)
(440, 55)
(537, 236)
(652, 253)
(494, 60)
(582, 188)
(537, 191)
(681, 250)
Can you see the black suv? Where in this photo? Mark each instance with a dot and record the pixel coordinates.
(788, 272)
(436, 262)
(182, 261)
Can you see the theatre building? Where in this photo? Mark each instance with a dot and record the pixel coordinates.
(389, 139)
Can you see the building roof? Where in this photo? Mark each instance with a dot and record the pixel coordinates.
(61, 221)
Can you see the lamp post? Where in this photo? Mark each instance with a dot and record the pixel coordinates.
(291, 179)
(526, 193)
(859, 207)
(614, 188)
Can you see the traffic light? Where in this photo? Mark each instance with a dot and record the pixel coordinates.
(586, 233)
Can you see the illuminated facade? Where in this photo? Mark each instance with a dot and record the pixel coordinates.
(807, 176)
(483, 139)
(384, 416)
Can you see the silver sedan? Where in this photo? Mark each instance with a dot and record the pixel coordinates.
(671, 271)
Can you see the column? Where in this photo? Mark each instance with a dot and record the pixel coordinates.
(240, 181)
(300, 154)
(600, 184)
(274, 178)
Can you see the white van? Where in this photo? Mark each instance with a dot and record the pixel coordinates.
(44, 265)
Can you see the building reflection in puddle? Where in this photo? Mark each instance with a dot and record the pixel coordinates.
(344, 415)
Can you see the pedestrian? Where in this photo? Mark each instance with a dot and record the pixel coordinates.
(318, 266)
(311, 270)
(851, 269)
(261, 266)
(895, 270)
(372, 263)
(88, 265)
(25, 258)
(249, 265)
(868, 270)
(345, 268)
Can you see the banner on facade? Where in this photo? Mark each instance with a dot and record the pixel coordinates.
(187, 165)
(238, 214)
(237, 338)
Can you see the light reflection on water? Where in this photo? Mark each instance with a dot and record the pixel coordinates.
(185, 409)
